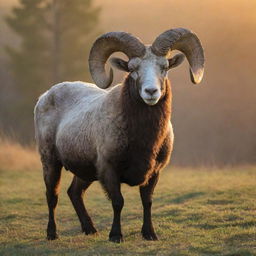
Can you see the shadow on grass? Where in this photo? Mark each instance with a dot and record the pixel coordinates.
(246, 224)
(220, 202)
(205, 250)
(32, 248)
(183, 198)
(9, 217)
(168, 213)
(17, 201)
(179, 199)
(240, 253)
(76, 230)
(243, 238)
(209, 251)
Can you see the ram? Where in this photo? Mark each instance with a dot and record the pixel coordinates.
(119, 134)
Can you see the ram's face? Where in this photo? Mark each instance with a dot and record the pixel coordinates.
(149, 73)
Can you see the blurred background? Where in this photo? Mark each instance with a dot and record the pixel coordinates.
(43, 42)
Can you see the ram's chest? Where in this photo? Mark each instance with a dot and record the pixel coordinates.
(135, 175)
(83, 169)
(136, 166)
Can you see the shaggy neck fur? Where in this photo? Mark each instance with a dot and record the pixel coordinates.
(147, 127)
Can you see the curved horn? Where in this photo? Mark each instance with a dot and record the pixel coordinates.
(104, 46)
(187, 42)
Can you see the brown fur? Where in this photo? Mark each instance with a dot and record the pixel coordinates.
(147, 128)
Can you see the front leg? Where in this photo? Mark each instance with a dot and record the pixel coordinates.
(111, 183)
(146, 193)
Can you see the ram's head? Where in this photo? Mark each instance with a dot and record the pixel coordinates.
(147, 65)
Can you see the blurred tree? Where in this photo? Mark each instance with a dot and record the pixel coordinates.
(55, 39)
(72, 26)
(29, 62)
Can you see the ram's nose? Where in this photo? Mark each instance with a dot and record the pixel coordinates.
(151, 91)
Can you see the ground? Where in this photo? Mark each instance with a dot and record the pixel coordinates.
(195, 212)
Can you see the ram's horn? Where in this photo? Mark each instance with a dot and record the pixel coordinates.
(107, 44)
(187, 42)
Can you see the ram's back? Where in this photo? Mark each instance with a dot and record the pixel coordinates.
(64, 103)
(79, 124)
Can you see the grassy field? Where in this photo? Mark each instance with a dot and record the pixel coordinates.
(195, 212)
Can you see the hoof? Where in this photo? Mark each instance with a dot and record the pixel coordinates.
(150, 236)
(89, 231)
(116, 239)
(52, 236)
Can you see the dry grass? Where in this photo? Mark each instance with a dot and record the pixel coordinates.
(195, 211)
(13, 156)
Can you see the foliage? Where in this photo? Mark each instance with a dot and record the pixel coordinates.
(55, 37)
(73, 26)
(29, 62)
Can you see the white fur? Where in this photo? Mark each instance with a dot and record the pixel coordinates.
(150, 74)
(150, 82)
(83, 121)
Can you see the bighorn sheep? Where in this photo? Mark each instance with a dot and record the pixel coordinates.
(119, 135)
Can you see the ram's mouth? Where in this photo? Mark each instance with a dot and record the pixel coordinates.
(151, 101)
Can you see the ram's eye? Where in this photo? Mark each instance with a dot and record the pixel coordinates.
(134, 75)
(133, 68)
(164, 67)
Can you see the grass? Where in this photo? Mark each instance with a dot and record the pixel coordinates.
(195, 212)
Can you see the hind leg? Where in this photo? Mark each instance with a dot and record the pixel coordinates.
(75, 193)
(52, 173)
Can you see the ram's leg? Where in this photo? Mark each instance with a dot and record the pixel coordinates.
(146, 193)
(75, 193)
(52, 173)
(111, 184)
(117, 199)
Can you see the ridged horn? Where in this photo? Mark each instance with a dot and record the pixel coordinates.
(107, 44)
(187, 42)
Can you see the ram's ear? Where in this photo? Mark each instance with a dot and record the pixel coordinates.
(176, 60)
(119, 64)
